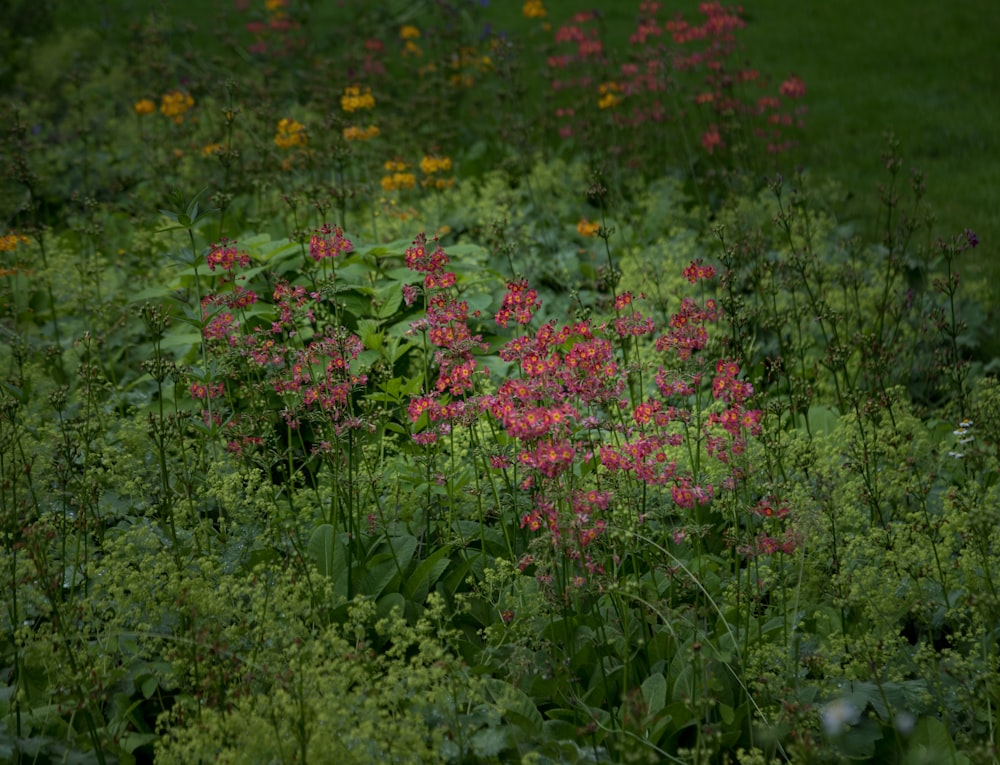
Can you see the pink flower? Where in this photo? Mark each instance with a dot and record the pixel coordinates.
(793, 87)
(328, 242)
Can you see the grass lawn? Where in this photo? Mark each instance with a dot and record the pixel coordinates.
(924, 69)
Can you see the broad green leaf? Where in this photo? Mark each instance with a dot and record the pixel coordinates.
(822, 420)
(388, 300)
(654, 691)
(515, 705)
(426, 574)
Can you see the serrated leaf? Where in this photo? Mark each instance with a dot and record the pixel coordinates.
(489, 742)
(388, 301)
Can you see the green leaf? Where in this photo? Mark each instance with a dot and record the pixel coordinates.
(327, 550)
(931, 742)
(181, 340)
(654, 691)
(148, 686)
(515, 705)
(391, 601)
(419, 583)
(822, 420)
(388, 299)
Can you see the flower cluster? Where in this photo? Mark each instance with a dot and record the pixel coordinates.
(698, 58)
(328, 242)
(964, 434)
(466, 65)
(9, 242)
(225, 256)
(409, 34)
(433, 168)
(290, 133)
(687, 333)
(174, 104)
(277, 36)
(355, 99)
(519, 304)
(313, 379)
(398, 176)
(355, 133)
(533, 9)
(610, 95)
(144, 106)
(446, 322)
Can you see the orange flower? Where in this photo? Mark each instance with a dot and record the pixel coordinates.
(609, 95)
(354, 133)
(174, 104)
(533, 9)
(9, 242)
(144, 106)
(354, 99)
(290, 133)
(588, 228)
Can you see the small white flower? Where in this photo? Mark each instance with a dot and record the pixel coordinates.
(838, 715)
(956, 455)
(905, 722)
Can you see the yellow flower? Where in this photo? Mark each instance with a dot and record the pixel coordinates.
(174, 104)
(587, 228)
(354, 133)
(274, 5)
(438, 183)
(290, 133)
(210, 149)
(609, 95)
(533, 9)
(398, 181)
(9, 242)
(409, 32)
(353, 99)
(430, 165)
(144, 106)
(412, 49)
(395, 165)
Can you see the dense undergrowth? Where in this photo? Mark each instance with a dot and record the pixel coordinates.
(439, 421)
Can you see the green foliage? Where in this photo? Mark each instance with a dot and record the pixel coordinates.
(606, 466)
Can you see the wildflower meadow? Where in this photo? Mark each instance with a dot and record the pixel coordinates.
(458, 381)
